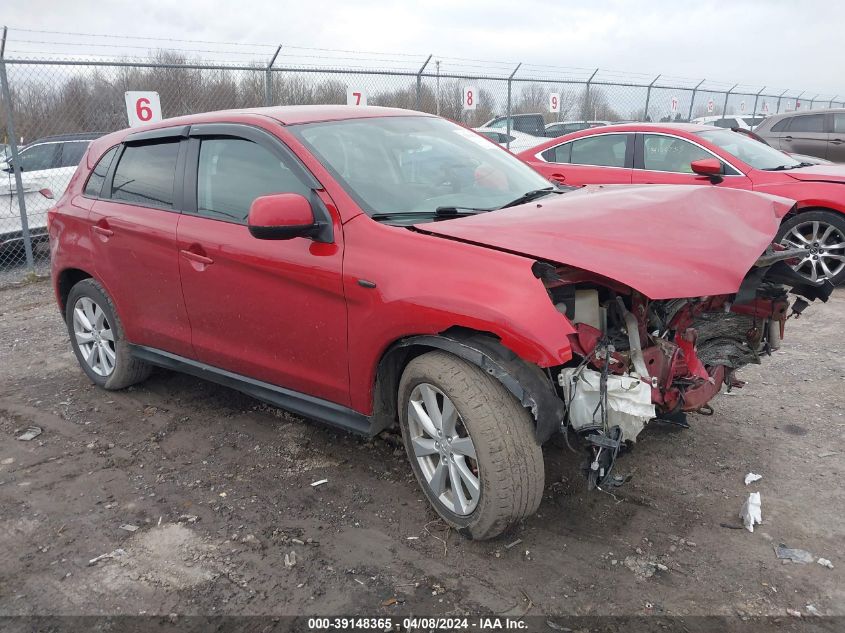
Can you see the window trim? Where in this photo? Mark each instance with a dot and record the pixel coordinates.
(259, 136)
(178, 187)
(629, 151)
(639, 157)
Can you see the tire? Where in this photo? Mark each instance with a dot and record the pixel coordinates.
(508, 462)
(112, 373)
(829, 229)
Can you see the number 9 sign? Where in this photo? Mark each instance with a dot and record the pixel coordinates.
(554, 102)
(470, 98)
(142, 107)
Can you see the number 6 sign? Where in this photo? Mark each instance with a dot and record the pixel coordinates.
(470, 98)
(142, 107)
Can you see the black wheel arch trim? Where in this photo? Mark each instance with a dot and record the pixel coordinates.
(526, 382)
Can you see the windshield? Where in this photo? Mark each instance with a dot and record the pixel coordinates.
(746, 149)
(393, 165)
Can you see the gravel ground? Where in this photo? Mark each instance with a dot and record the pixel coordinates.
(218, 487)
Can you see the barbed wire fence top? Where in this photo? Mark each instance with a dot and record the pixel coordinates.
(80, 90)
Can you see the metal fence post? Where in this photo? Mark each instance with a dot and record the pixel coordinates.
(508, 114)
(727, 94)
(268, 78)
(585, 111)
(13, 146)
(830, 103)
(419, 83)
(692, 99)
(798, 99)
(779, 98)
(756, 97)
(648, 98)
(812, 101)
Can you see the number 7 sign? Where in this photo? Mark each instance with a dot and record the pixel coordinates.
(356, 97)
(142, 107)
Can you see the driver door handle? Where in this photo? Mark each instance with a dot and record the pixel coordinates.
(196, 257)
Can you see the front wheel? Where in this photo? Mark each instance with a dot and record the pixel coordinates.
(821, 234)
(471, 445)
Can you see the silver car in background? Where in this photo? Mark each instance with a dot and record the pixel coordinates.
(815, 133)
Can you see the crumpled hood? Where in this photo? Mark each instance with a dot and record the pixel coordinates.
(819, 173)
(666, 241)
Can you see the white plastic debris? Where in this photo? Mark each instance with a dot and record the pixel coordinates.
(290, 559)
(825, 563)
(795, 555)
(628, 400)
(319, 482)
(750, 478)
(129, 527)
(752, 511)
(113, 554)
(30, 433)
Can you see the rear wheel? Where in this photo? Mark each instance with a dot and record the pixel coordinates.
(96, 335)
(821, 234)
(471, 445)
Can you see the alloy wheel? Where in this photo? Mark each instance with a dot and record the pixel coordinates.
(824, 247)
(94, 336)
(443, 449)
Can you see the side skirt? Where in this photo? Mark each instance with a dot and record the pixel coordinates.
(307, 406)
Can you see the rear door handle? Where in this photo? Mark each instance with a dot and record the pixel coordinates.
(196, 257)
(101, 230)
(787, 138)
(837, 141)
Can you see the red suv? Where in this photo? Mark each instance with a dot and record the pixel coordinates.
(361, 266)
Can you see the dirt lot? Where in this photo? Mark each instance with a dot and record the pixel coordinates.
(158, 455)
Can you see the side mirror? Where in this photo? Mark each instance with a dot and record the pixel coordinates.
(5, 166)
(710, 167)
(284, 216)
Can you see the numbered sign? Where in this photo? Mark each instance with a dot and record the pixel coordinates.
(142, 107)
(797, 105)
(710, 106)
(554, 102)
(765, 108)
(356, 97)
(742, 106)
(470, 97)
(673, 104)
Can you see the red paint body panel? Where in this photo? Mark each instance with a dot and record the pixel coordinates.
(425, 285)
(658, 240)
(817, 186)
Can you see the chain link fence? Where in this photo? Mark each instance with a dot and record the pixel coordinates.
(52, 108)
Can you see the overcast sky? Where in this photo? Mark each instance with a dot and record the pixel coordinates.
(778, 43)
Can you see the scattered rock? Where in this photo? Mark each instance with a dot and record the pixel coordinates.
(129, 527)
(825, 563)
(795, 555)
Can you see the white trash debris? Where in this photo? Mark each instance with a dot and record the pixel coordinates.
(114, 554)
(825, 563)
(752, 512)
(750, 478)
(129, 527)
(795, 555)
(30, 433)
(319, 482)
(290, 559)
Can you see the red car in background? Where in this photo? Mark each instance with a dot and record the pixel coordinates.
(644, 153)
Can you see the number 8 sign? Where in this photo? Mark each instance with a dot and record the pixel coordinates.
(470, 98)
(142, 107)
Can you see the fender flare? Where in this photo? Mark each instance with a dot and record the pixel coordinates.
(526, 382)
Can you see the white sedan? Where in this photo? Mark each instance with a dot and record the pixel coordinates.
(519, 141)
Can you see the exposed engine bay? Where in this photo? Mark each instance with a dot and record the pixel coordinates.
(638, 360)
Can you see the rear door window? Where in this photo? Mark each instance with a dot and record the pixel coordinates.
(72, 152)
(839, 123)
(782, 125)
(809, 123)
(606, 150)
(559, 154)
(146, 175)
(233, 172)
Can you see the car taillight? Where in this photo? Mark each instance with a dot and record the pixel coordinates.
(47, 193)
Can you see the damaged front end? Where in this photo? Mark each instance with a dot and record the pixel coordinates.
(639, 360)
